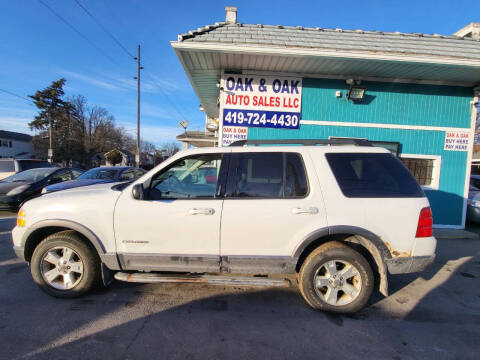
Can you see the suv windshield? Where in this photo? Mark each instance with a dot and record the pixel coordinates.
(99, 173)
(32, 175)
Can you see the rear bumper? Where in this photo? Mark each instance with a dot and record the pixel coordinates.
(403, 265)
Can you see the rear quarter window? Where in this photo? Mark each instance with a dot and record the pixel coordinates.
(372, 175)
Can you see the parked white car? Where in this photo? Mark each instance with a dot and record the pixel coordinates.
(9, 167)
(337, 216)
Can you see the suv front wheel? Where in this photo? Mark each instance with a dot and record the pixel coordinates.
(64, 266)
(335, 278)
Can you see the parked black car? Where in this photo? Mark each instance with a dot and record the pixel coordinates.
(18, 188)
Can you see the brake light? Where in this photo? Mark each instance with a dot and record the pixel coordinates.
(425, 223)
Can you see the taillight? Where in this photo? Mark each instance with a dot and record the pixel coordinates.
(425, 223)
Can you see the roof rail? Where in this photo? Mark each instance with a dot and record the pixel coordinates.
(304, 142)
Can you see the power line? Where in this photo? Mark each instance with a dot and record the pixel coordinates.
(167, 97)
(78, 32)
(16, 95)
(104, 29)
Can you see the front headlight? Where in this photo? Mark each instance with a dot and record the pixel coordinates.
(18, 190)
(44, 191)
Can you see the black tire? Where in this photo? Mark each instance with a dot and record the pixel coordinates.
(341, 254)
(89, 279)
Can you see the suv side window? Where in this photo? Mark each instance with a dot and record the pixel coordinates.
(193, 177)
(267, 175)
(296, 184)
(372, 175)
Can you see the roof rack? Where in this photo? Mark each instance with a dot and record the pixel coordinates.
(304, 142)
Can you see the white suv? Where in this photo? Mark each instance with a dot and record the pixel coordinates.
(338, 216)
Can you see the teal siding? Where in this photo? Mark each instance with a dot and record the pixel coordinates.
(421, 105)
(388, 103)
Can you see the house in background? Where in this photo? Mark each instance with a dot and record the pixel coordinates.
(16, 145)
(128, 159)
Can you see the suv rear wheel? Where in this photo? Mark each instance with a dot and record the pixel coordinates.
(64, 266)
(336, 278)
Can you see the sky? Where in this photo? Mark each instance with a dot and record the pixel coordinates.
(36, 48)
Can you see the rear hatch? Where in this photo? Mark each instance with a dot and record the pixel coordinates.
(383, 195)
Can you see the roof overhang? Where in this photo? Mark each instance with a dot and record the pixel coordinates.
(198, 139)
(204, 62)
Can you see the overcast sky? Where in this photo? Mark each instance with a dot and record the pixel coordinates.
(36, 48)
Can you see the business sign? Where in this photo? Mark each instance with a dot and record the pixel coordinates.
(457, 140)
(233, 133)
(261, 101)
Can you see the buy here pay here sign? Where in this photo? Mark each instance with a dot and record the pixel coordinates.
(261, 101)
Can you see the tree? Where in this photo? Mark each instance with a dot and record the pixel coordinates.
(170, 148)
(79, 131)
(55, 113)
(114, 157)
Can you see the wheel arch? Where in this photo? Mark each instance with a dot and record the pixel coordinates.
(358, 238)
(39, 231)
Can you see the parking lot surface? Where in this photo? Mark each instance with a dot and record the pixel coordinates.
(431, 315)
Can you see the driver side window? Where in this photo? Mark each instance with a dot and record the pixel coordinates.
(193, 177)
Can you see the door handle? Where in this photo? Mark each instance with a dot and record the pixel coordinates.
(305, 210)
(201, 211)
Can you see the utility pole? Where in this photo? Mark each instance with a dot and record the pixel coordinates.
(137, 157)
(50, 148)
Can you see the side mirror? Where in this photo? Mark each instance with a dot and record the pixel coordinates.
(137, 192)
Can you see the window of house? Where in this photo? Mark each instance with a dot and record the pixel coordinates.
(421, 169)
(425, 168)
(267, 175)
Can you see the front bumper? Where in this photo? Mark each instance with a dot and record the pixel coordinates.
(473, 214)
(403, 265)
(10, 203)
(20, 252)
(18, 245)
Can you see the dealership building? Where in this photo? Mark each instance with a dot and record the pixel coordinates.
(414, 94)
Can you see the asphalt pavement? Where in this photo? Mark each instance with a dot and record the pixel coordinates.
(432, 315)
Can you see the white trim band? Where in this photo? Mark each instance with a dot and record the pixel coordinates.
(381, 126)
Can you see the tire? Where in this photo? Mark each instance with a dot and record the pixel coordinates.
(64, 266)
(344, 279)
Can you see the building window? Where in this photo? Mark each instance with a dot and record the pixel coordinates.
(425, 169)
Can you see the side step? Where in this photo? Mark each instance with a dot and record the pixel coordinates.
(201, 279)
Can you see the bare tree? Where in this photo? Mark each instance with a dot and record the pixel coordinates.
(170, 148)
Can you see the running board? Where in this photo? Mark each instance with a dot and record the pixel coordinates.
(202, 279)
